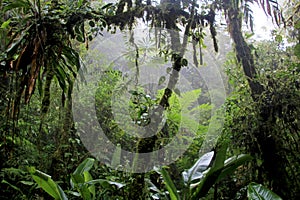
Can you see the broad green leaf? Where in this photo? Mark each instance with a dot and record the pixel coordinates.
(196, 171)
(169, 184)
(86, 165)
(88, 177)
(220, 156)
(48, 185)
(259, 192)
(78, 183)
(232, 163)
(85, 192)
(81, 176)
(76, 179)
(213, 173)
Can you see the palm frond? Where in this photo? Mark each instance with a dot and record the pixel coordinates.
(271, 8)
(40, 48)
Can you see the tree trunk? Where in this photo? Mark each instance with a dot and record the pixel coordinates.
(273, 164)
(243, 52)
(151, 144)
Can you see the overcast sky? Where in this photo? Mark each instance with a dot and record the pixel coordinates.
(263, 24)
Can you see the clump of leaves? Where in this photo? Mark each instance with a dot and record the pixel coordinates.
(82, 183)
(39, 46)
(209, 170)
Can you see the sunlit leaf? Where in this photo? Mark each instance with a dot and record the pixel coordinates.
(196, 171)
(259, 192)
(88, 177)
(213, 173)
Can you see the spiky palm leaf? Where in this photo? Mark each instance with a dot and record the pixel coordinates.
(39, 47)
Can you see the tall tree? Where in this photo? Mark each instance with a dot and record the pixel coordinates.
(268, 144)
(37, 50)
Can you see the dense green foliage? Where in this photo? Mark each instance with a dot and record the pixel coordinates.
(270, 126)
(44, 48)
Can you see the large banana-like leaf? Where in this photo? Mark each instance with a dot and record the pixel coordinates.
(196, 171)
(81, 176)
(47, 184)
(212, 175)
(232, 163)
(259, 192)
(219, 170)
(86, 165)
